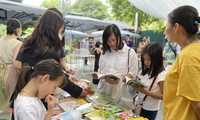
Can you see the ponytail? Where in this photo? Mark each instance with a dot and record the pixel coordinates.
(49, 66)
(23, 79)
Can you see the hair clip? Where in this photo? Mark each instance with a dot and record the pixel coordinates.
(196, 22)
(32, 68)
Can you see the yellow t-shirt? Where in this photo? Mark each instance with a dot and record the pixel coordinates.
(182, 85)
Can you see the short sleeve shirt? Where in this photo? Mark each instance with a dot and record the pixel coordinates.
(182, 85)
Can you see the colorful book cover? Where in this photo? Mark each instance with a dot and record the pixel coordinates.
(74, 103)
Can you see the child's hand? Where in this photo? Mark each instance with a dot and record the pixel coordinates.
(50, 101)
(141, 89)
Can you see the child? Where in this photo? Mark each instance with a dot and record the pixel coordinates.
(32, 86)
(152, 75)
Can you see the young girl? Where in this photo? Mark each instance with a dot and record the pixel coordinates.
(152, 75)
(34, 83)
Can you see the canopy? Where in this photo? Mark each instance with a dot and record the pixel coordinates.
(120, 24)
(161, 8)
(123, 33)
(76, 34)
(82, 23)
(23, 12)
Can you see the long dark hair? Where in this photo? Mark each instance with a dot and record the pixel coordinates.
(109, 30)
(12, 25)
(155, 51)
(45, 35)
(48, 66)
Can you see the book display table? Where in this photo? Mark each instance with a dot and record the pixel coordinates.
(92, 107)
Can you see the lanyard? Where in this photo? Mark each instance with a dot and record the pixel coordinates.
(154, 79)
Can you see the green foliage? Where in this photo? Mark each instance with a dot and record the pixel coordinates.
(28, 32)
(2, 30)
(64, 8)
(123, 10)
(91, 8)
(51, 3)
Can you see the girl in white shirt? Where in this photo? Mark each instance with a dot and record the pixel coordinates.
(32, 86)
(117, 59)
(152, 75)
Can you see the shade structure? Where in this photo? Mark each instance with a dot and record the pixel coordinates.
(120, 24)
(161, 8)
(123, 33)
(76, 34)
(23, 12)
(82, 23)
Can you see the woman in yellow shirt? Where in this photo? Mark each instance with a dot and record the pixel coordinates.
(182, 82)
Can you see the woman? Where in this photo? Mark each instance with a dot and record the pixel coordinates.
(120, 60)
(9, 47)
(182, 82)
(47, 41)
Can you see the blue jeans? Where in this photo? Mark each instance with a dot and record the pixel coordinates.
(151, 115)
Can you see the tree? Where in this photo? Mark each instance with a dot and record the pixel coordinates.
(123, 10)
(90, 8)
(62, 5)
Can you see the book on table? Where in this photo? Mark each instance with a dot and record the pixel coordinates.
(72, 104)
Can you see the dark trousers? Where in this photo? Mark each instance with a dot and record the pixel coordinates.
(151, 115)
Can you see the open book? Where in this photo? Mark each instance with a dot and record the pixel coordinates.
(105, 76)
(132, 81)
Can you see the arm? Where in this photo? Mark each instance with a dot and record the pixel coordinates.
(196, 107)
(150, 93)
(50, 101)
(65, 66)
(133, 64)
(17, 64)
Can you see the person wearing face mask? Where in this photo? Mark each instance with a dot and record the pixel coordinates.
(9, 47)
(46, 42)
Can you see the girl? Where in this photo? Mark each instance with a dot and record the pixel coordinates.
(32, 86)
(152, 75)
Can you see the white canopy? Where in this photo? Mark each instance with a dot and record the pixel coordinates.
(161, 8)
(123, 33)
(120, 24)
(23, 12)
(76, 34)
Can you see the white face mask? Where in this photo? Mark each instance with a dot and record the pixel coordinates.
(60, 36)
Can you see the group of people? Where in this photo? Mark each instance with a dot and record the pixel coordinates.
(41, 63)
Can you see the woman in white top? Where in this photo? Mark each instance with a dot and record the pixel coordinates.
(9, 47)
(117, 59)
(152, 75)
